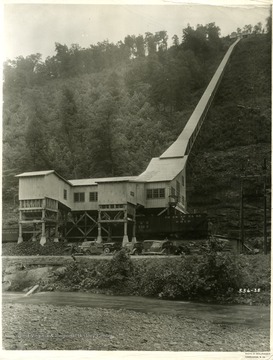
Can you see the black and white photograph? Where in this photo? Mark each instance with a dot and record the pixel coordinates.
(136, 179)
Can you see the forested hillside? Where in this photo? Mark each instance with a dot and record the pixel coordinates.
(105, 110)
(234, 141)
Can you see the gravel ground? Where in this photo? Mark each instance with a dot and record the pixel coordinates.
(49, 327)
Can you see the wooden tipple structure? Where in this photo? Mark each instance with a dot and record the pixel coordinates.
(99, 208)
(52, 207)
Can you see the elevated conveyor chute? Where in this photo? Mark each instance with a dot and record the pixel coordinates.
(183, 145)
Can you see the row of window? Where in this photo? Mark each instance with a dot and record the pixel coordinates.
(155, 193)
(80, 196)
(158, 193)
(112, 206)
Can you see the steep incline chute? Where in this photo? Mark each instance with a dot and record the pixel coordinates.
(183, 145)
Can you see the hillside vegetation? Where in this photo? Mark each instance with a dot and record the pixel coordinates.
(234, 141)
(107, 110)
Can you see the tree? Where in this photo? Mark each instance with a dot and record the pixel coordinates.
(140, 46)
(23, 72)
(103, 162)
(62, 57)
(248, 29)
(196, 40)
(150, 43)
(130, 43)
(269, 24)
(257, 28)
(213, 36)
(72, 131)
(161, 40)
(175, 40)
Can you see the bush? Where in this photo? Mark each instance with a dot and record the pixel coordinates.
(213, 276)
(119, 271)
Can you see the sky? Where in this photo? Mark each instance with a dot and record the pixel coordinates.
(34, 28)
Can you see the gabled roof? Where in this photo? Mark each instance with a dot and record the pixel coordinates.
(95, 181)
(42, 173)
(165, 169)
(36, 173)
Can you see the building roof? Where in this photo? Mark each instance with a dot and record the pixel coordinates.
(36, 173)
(42, 173)
(165, 169)
(95, 181)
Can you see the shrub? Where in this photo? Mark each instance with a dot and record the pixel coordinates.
(116, 274)
(212, 276)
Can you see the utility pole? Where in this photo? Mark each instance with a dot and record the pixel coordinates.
(242, 227)
(265, 213)
(242, 235)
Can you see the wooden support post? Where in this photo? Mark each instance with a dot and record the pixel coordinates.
(85, 226)
(20, 237)
(43, 237)
(134, 228)
(125, 236)
(99, 238)
(65, 226)
(56, 235)
(109, 233)
(34, 238)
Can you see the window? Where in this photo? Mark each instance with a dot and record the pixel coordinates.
(183, 200)
(65, 194)
(162, 193)
(183, 181)
(132, 193)
(172, 191)
(93, 196)
(79, 197)
(155, 193)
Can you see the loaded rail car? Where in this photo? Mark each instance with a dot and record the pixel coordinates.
(173, 226)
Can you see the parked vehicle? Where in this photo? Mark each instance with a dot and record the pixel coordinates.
(158, 247)
(134, 248)
(111, 247)
(95, 248)
(91, 248)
